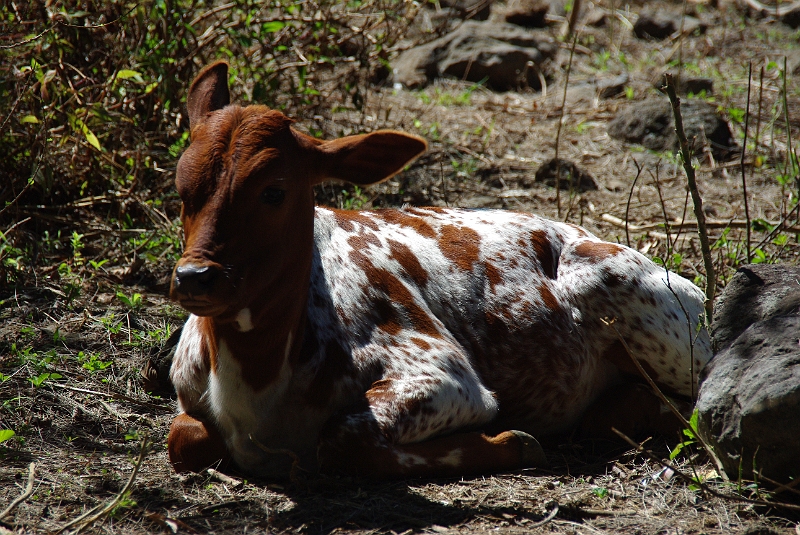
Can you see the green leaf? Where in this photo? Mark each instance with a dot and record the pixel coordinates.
(5, 434)
(79, 125)
(29, 119)
(272, 26)
(127, 73)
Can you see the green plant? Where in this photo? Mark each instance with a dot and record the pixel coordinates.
(354, 200)
(126, 502)
(629, 93)
(111, 323)
(134, 302)
(601, 59)
(690, 433)
(6, 434)
(92, 362)
(40, 379)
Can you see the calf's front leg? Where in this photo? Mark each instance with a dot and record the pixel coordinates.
(195, 445)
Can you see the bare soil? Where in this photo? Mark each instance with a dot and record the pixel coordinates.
(84, 429)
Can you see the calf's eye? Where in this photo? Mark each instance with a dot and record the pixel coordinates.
(273, 196)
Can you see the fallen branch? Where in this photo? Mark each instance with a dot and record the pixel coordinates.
(114, 395)
(24, 496)
(688, 225)
(93, 515)
(665, 400)
(771, 11)
(694, 481)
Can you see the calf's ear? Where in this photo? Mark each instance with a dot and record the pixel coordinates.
(208, 92)
(369, 158)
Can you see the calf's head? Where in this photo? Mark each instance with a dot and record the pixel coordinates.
(246, 182)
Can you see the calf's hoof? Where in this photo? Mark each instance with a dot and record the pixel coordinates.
(532, 453)
(195, 445)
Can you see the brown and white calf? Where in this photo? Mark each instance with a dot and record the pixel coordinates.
(393, 342)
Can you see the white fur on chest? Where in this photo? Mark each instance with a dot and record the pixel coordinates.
(240, 410)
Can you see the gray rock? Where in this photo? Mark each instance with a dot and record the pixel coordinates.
(611, 87)
(684, 83)
(654, 25)
(697, 84)
(529, 13)
(749, 401)
(470, 9)
(505, 55)
(651, 123)
(572, 176)
(791, 18)
(755, 293)
(660, 25)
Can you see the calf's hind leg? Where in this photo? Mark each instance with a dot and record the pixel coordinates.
(422, 425)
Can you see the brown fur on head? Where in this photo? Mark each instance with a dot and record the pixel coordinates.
(246, 184)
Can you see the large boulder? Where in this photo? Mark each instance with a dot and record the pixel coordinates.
(749, 400)
(651, 123)
(505, 55)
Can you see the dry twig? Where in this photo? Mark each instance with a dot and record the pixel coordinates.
(711, 278)
(664, 399)
(96, 513)
(24, 496)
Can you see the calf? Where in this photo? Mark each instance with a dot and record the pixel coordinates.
(392, 343)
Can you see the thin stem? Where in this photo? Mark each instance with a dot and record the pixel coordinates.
(744, 149)
(560, 121)
(760, 101)
(711, 278)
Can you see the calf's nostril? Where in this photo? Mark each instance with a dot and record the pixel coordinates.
(194, 279)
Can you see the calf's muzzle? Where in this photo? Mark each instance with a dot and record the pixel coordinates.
(194, 280)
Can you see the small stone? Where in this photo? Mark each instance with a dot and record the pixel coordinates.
(529, 13)
(654, 25)
(505, 55)
(572, 176)
(611, 87)
(651, 123)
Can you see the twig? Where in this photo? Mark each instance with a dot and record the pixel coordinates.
(281, 451)
(572, 22)
(550, 516)
(114, 395)
(26, 41)
(628, 205)
(744, 149)
(791, 157)
(780, 226)
(711, 278)
(664, 398)
(222, 478)
(24, 496)
(561, 120)
(90, 517)
(693, 481)
(663, 212)
(760, 101)
(688, 225)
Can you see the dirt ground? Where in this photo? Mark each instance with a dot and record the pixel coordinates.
(84, 424)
